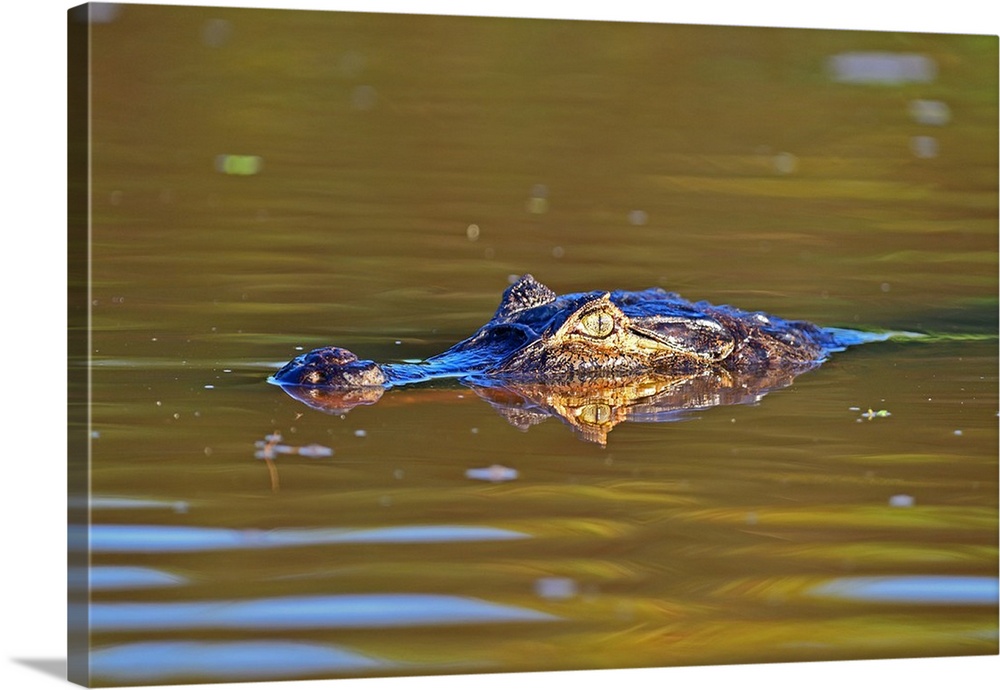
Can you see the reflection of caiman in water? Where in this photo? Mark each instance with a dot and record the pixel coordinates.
(593, 359)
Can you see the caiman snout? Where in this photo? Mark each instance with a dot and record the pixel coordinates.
(330, 367)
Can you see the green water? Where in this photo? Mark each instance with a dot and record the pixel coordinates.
(266, 182)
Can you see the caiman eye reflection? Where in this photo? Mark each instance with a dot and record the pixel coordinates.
(597, 324)
(595, 413)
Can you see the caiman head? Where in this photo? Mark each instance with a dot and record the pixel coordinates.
(598, 340)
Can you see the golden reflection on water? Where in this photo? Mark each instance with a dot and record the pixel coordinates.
(266, 182)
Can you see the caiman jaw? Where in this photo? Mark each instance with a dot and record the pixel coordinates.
(703, 339)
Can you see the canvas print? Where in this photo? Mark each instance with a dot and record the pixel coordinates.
(413, 345)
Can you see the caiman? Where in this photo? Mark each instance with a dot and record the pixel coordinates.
(591, 358)
(540, 337)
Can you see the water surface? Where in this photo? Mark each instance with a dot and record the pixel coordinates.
(265, 183)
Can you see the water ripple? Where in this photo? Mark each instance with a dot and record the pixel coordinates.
(165, 538)
(162, 661)
(914, 589)
(296, 613)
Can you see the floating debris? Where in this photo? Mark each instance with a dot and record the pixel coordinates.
(929, 112)
(315, 450)
(538, 202)
(872, 414)
(493, 473)
(238, 165)
(271, 446)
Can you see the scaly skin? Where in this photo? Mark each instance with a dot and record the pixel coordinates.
(539, 337)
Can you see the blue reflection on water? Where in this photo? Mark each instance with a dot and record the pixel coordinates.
(165, 538)
(915, 589)
(121, 577)
(288, 613)
(160, 661)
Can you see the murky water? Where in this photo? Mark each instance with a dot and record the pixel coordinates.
(265, 183)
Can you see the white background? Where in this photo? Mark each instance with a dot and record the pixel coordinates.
(33, 475)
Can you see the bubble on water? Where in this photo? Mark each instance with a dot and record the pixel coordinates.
(558, 252)
(493, 473)
(364, 97)
(472, 232)
(785, 163)
(351, 64)
(216, 32)
(924, 147)
(556, 588)
(638, 217)
(882, 68)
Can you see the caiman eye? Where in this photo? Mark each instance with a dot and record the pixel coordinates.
(595, 413)
(597, 324)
